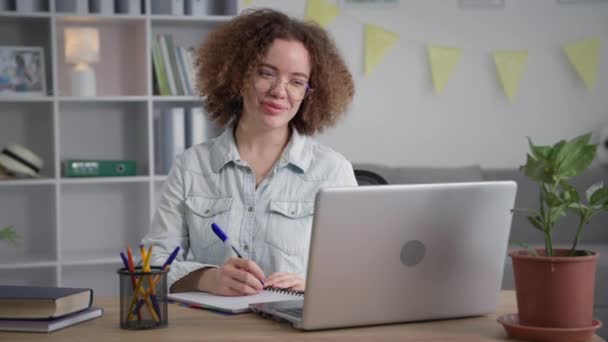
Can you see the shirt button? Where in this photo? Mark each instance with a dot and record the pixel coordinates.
(248, 170)
(250, 209)
(246, 247)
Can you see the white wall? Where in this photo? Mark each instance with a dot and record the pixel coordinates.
(397, 119)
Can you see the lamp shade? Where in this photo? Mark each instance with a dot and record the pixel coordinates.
(81, 45)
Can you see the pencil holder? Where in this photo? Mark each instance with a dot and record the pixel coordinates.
(143, 298)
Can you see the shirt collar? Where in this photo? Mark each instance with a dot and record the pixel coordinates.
(298, 151)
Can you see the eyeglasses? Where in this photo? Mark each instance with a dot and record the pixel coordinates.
(267, 79)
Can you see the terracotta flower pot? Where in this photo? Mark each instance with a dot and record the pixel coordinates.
(555, 291)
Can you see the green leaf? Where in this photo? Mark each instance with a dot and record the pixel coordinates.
(558, 212)
(552, 200)
(539, 152)
(574, 156)
(537, 170)
(536, 222)
(556, 150)
(571, 191)
(599, 196)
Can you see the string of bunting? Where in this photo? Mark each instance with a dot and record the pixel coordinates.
(510, 64)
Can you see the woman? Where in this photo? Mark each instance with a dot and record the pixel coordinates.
(272, 81)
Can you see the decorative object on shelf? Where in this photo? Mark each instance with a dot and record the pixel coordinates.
(20, 161)
(73, 6)
(131, 7)
(199, 7)
(29, 6)
(99, 168)
(171, 7)
(9, 234)
(555, 287)
(103, 7)
(22, 71)
(82, 49)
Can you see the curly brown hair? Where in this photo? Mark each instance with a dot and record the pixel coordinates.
(229, 55)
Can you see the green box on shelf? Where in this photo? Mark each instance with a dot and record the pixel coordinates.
(99, 168)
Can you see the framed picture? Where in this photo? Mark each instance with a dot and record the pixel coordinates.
(22, 71)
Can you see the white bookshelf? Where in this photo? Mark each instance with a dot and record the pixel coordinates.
(72, 229)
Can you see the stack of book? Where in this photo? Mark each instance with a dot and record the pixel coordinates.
(174, 71)
(44, 309)
(176, 129)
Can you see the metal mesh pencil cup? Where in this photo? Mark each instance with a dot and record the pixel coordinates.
(143, 298)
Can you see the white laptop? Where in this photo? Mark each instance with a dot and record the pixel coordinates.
(402, 253)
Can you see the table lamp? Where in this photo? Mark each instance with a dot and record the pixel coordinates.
(82, 49)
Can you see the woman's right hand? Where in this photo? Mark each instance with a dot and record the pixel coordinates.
(237, 277)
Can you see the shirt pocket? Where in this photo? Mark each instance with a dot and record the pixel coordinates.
(289, 226)
(201, 213)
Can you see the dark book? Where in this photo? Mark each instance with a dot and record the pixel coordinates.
(42, 302)
(49, 325)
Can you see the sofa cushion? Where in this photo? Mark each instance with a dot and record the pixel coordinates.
(423, 175)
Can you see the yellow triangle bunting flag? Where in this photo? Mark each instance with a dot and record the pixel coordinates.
(584, 56)
(321, 12)
(377, 43)
(510, 66)
(246, 3)
(443, 60)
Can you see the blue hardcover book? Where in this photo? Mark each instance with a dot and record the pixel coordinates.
(42, 302)
(50, 325)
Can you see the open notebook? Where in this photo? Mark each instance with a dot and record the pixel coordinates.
(238, 304)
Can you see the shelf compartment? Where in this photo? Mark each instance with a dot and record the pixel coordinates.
(105, 131)
(26, 182)
(100, 220)
(42, 276)
(159, 98)
(105, 180)
(29, 31)
(184, 19)
(30, 125)
(24, 99)
(121, 69)
(31, 211)
(103, 279)
(103, 99)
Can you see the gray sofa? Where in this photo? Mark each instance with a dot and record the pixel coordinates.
(594, 237)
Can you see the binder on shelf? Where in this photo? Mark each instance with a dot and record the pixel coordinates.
(198, 7)
(174, 136)
(160, 74)
(102, 7)
(29, 6)
(132, 7)
(99, 168)
(167, 63)
(174, 65)
(72, 6)
(196, 126)
(171, 7)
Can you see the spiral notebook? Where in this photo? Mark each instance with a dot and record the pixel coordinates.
(239, 304)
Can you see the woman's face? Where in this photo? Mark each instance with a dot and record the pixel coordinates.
(277, 86)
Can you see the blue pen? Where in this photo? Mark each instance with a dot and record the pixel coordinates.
(220, 234)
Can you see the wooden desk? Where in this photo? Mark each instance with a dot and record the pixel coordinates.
(200, 325)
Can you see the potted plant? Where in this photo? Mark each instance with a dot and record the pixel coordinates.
(9, 234)
(555, 287)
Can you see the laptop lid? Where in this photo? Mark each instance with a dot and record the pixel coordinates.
(398, 253)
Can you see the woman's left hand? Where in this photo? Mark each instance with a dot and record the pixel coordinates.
(285, 280)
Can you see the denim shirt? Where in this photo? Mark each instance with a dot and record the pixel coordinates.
(270, 224)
